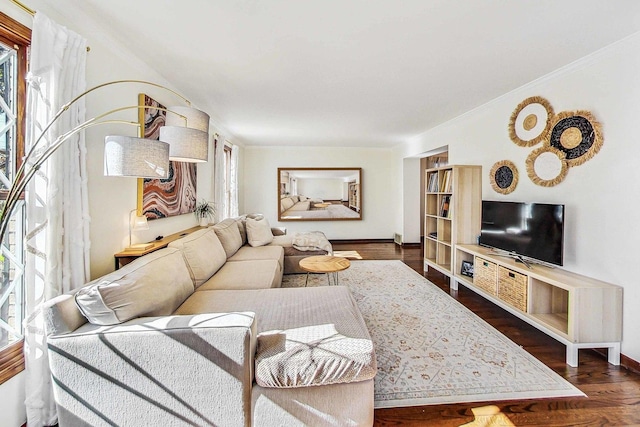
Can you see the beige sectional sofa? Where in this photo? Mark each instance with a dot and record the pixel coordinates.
(200, 333)
(294, 203)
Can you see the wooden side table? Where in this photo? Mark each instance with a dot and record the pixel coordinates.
(328, 264)
(126, 256)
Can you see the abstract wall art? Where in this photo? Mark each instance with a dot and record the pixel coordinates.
(175, 195)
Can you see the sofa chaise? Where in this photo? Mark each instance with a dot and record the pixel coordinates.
(201, 333)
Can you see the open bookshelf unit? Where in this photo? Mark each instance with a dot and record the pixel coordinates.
(579, 311)
(453, 200)
(354, 196)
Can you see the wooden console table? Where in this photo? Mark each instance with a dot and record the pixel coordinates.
(125, 257)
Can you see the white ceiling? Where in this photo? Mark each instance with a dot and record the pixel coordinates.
(351, 72)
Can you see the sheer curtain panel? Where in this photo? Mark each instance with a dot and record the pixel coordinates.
(233, 184)
(57, 201)
(219, 180)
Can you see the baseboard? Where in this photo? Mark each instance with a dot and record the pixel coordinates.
(411, 245)
(625, 361)
(630, 364)
(354, 241)
(360, 241)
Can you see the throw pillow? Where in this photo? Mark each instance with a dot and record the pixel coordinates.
(241, 228)
(229, 235)
(259, 232)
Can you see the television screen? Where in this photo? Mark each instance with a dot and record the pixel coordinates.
(533, 230)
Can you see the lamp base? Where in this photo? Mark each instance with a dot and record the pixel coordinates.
(139, 247)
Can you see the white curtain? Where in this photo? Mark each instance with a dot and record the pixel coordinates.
(219, 180)
(233, 185)
(57, 201)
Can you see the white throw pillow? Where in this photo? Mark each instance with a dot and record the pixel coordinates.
(259, 232)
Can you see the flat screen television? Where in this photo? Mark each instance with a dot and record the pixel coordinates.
(530, 230)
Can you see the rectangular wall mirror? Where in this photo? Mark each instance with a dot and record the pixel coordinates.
(319, 194)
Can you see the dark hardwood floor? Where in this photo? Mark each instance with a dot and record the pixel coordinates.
(613, 392)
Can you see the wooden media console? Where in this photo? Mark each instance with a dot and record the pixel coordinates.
(579, 311)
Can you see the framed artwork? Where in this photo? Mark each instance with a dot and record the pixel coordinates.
(466, 268)
(175, 195)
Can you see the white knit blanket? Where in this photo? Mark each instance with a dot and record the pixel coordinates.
(312, 241)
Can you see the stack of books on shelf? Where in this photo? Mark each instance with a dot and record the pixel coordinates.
(446, 182)
(445, 207)
(432, 187)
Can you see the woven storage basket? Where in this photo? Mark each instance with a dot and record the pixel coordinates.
(485, 275)
(512, 288)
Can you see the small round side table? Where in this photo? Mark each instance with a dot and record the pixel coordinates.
(328, 264)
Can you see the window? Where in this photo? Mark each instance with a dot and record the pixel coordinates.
(14, 42)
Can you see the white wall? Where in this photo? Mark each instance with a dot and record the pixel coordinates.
(379, 196)
(601, 196)
(326, 189)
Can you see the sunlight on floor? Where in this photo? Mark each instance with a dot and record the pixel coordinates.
(489, 416)
(347, 254)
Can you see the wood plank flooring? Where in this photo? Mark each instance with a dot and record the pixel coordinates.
(613, 392)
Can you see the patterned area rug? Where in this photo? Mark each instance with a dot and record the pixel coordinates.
(430, 348)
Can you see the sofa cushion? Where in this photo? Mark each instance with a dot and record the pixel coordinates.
(153, 285)
(306, 336)
(229, 235)
(248, 253)
(301, 206)
(286, 203)
(240, 222)
(258, 232)
(256, 274)
(203, 253)
(284, 240)
(62, 315)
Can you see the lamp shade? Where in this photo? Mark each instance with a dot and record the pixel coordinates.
(135, 157)
(195, 119)
(140, 223)
(186, 144)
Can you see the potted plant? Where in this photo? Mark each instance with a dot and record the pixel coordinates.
(204, 212)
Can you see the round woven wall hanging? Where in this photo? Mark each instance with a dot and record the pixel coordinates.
(546, 166)
(530, 121)
(504, 176)
(577, 134)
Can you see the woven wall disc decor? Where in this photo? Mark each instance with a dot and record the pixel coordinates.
(504, 176)
(530, 121)
(546, 166)
(577, 134)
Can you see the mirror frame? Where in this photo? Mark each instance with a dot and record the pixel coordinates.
(280, 194)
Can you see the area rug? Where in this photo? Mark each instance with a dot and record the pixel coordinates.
(431, 349)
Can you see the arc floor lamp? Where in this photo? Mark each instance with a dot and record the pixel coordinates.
(184, 138)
